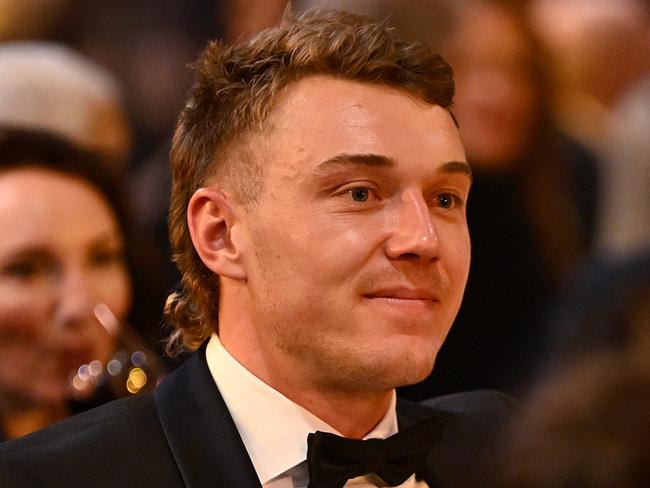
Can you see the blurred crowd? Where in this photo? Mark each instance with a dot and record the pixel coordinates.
(553, 104)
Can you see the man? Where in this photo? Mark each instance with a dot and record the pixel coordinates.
(318, 219)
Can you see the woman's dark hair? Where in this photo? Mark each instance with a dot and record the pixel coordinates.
(20, 147)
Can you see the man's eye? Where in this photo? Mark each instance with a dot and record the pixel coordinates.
(360, 194)
(446, 200)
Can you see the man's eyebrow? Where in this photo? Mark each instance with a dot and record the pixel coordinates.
(457, 167)
(380, 161)
(342, 160)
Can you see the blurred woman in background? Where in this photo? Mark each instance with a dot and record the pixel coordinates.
(65, 281)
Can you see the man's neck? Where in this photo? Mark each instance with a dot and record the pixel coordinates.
(353, 413)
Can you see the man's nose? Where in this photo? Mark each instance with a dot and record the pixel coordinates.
(75, 304)
(414, 233)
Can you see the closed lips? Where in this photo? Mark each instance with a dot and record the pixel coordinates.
(404, 294)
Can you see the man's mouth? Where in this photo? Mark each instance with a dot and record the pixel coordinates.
(403, 294)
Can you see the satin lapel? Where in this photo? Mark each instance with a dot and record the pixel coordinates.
(200, 432)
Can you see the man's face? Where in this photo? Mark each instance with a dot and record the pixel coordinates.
(359, 250)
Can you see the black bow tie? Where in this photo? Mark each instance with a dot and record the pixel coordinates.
(333, 460)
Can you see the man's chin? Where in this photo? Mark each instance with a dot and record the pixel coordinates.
(415, 374)
(413, 357)
(404, 369)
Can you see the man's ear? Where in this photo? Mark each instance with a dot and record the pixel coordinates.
(211, 217)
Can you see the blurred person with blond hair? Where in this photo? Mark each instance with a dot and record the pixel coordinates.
(51, 87)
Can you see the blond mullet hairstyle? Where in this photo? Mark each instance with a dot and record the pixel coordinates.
(234, 91)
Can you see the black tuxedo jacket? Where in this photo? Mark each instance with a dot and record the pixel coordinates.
(183, 436)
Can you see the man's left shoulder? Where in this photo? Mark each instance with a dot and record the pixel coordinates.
(470, 406)
(470, 436)
(476, 404)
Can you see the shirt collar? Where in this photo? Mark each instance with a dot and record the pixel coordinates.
(273, 428)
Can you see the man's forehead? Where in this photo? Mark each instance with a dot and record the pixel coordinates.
(336, 98)
(322, 119)
(325, 110)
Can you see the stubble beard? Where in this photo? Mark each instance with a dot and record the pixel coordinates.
(304, 332)
(339, 362)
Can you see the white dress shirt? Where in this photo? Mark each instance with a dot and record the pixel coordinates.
(274, 429)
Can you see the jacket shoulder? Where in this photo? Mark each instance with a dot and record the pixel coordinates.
(491, 403)
(470, 438)
(118, 444)
(464, 406)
